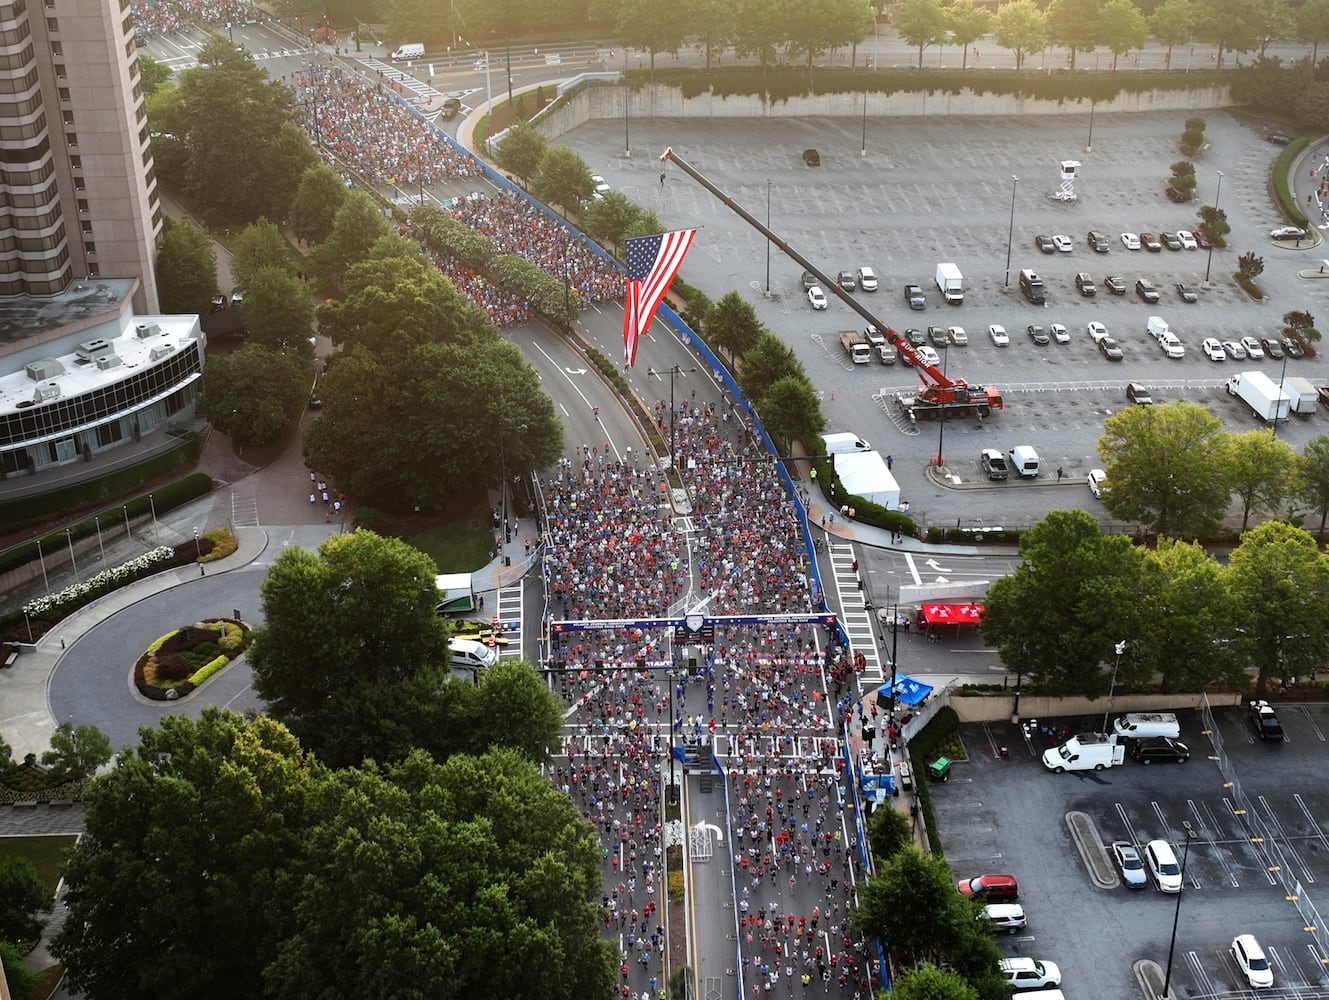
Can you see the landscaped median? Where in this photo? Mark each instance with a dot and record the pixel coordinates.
(180, 661)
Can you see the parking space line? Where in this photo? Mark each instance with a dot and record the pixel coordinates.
(1261, 853)
(1301, 804)
(1201, 973)
(1319, 733)
(1286, 847)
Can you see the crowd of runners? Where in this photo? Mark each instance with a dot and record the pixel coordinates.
(156, 17)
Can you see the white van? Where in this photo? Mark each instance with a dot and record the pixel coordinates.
(844, 443)
(1137, 725)
(1042, 995)
(410, 50)
(1024, 461)
(1008, 917)
(468, 654)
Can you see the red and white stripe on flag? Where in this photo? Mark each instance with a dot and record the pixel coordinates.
(652, 263)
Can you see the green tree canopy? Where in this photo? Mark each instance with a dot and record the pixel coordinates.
(608, 219)
(769, 360)
(1232, 25)
(350, 652)
(563, 179)
(1261, 470)
(1021, 27)
(1074, 596)
(521, 151)
(790, 411)
(1172, 23)
(186, 268)
(889, 830)
(732, 326)
(927, 982)
(1075, 24)
(1164, 468)
(152, 74)
(356, 227)
(1312, 25)
(260, 244)
(22, 898)
(921, 23)
(318, 197)
(76, 752)
(252, 394)
(1315, 476)
(912, 903)
(967, 25)
(278, 312)
(1122, 27)
(508, 690)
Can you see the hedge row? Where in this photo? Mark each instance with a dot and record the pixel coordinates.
(1281, 172)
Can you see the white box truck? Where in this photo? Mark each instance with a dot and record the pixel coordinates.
(1305, 398)
(1257, 390)
(950, 282)
(410, 50)
(1085, 752)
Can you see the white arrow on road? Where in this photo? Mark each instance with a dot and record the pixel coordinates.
(932, 565)
(719, 834)
(575, 371)
(941, 579)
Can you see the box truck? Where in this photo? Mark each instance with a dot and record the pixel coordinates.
(856, 345)
(1257, 390)
(950, 282)
(1085, 752)
(1304, 397)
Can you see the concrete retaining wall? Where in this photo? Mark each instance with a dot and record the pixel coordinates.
(606, 101)
(981, 708)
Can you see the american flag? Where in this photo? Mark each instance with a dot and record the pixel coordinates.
(652, 263)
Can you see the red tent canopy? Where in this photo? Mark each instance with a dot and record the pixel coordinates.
(950, 614)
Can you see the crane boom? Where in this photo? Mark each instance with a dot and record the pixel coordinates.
(941, 394)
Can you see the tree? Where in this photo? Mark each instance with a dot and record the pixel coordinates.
(22, 897)
(1122, 27)
(1074, 24)
(655, 27)
(889, 830)
(1298, 320)
(814, 27)
(967, 25)
(1021, 27)
(769, 360)
(76, 753)
(189, 849)
(1249, 265)
(278, 313)
(927, 982)
(1172, 24)
(350, 644)
(761, 28)
(1164, 468)
(415, 428)
(1073, 597)
(1215, 224)
(318, 197)
(355, 228)
(713, 23)
(1281, 583)
(152, 75)
(252, 394)
(186, 268)
(1261, 470)
(912, 903)
(1232, 25)
(732, 326)
(791, 411)
(509, 690)
(608, 219)
(449, 880)
(1312, 25)
(283, 157)
(521, 151)
(1185, 637)
(1315, 476)
(260, 244)
(921, 23)
(1275, 21)
(563, 179)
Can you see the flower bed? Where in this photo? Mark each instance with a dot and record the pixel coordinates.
(178, 662)
(56, 606)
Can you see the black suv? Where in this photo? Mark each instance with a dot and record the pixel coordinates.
(1086, 285)
(1098, 242)
(914, 296)
(1146, 290)
(1265, 721)
(1160, 748)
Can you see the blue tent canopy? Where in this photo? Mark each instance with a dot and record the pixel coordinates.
(907, 690)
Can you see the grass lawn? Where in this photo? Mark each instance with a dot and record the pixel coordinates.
(461, 546)
(47, 853)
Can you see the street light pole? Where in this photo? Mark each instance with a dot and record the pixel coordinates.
(1010, 233)
(627, 94)
(1282, 379)
(863, 151)
(1210, 261)
(941, 419)
(1120, 648)
(768, 242)
(1089, 145)
(1176, 915)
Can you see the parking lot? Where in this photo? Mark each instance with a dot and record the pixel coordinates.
(931, 190)
(1009, 816)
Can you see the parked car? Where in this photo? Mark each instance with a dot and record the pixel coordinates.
(1138, 394)
(1251, 961)
(1253, 348)
(993, 888)
(1234, 350)
(601, 187)
(1293, 349)
(1114, 285)
(929, 356)
(1037, 334)
(1288, 233)
(847, 280)
(1272, 347)
(1086, 285)
(999, 335)
(1170, 240)
(1186, 293)
(1188, 240)
(1213, 349)
(957, 336)
(1162, 861)
(937, 334)
(1059, 333)
(1163, 749)
(1008, 917)
(1265, 720)
(1109, 349)
(1129, 864)
(1145, 289)
(1063, 243)
(1279, 138)
(809, 281)
(1097, 330)
(1151, 242)
(867, 279)
(913, 296)
(1029, 974)
(817, 297)
(1045, 244)
(1130, 241)
(1097, 477)
(811, 157)
(1171, 344)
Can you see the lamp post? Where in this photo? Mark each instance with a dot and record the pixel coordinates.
(1210, 261)
(97, 521)
(673, 417)
(198, 548)
(70, 539)
(1010, 233)
(507, 52)
(1089, 144)
(1176, 915)
(768, 242)
(941, 418)
(863, 150)
(627, 145)
(895, 648)
(503, 473)
(1120, 648)
(1282, 379)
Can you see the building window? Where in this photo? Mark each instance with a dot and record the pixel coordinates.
(52, 26)
(64, 94)
(87, 227)
(72, 139)
(83, 206)
(69, 117)
(90, 249)
(94, 271)
(60, 71)
(57, 50)
(76, 162)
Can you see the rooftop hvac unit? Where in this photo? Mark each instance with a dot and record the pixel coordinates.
(159, 352)
(145, 330)
(94, 348)
(46, 368)
(107, 361)
(45, 391)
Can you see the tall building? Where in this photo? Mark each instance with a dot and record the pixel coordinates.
(76, 174)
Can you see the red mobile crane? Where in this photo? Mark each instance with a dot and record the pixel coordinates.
(941, 397)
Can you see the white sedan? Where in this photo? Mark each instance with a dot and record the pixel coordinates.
(1234, 350)
(1213, 349)
(1130, 241)
(1188, 240)
(999, 335)
(1063, 243)
(601, 186)
(1253, 348)
(1059, 333)
(817, 297)
(1098, 331)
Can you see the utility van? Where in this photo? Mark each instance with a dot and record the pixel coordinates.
(1032, 287)
(1085, 752)
(1024, 461)
(1136, 725)
(410, 50)
(844, 443)
(470, 655)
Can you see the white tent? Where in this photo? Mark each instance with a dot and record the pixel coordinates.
(864, 474)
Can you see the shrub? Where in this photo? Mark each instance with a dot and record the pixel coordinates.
(169, 667)
(203, 673)
(222, 544)
(158, 643)
(675, 886)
